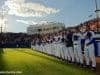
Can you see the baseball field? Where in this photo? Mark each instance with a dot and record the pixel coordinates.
(25, 61)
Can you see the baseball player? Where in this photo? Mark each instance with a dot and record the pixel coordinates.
(76, 46)
(70, 46)
(56, 45)
(62, 46)
(77, 37)
(89, 50)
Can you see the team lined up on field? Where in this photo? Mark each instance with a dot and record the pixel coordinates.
(75, 47)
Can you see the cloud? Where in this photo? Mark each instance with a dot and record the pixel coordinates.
(27, 22)
(30, 22)
(22, 21)
(23, 9)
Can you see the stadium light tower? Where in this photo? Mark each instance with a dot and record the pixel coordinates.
(1, 28)
(97, 11)
(3, 19)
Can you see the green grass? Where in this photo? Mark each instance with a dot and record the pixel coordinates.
(30, 62)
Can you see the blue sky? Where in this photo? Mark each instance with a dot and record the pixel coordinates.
(69, 12)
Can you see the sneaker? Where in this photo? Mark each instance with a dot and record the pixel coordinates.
(93, 68)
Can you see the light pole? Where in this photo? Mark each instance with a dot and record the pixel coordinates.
(1, 30)
(97, 11)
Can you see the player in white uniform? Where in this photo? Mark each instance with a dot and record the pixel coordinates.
(69, 44)
(66, 52)
(47, 46)
(56, 45)
(89, 50)
(62, 46)
(33, 44)
(60, 50)
(37, 46)
(76, 46)
(43, 45)
(51, 44)
(77, 37)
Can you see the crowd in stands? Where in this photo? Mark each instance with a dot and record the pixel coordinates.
(15, 40)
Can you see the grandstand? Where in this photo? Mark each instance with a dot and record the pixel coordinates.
(43, 28)
(13, 40)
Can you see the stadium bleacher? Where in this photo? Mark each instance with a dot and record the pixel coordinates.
(13, 40)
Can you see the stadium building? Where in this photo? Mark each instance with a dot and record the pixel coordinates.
(44, 28)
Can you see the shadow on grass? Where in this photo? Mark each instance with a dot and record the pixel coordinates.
(1, 51)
